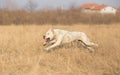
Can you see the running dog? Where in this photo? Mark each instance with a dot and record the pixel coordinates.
(56, 37)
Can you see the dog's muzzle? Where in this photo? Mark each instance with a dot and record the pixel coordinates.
(46, 39)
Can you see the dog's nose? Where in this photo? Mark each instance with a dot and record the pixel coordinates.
(43, 36)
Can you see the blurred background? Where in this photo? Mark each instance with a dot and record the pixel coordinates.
(55, 12)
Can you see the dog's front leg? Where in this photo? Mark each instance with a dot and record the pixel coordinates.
(49, 43)
(57, 43)
(53, 41)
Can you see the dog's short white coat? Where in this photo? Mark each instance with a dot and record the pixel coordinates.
(58, 37)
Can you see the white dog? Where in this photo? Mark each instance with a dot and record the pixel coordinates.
(57, 37)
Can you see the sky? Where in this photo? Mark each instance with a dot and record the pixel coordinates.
(50, 4)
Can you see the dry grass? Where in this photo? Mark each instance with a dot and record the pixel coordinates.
(22, 52)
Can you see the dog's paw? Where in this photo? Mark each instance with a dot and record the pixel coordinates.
(47, 49)
(90, 49)
(44, 44)
(95, 45)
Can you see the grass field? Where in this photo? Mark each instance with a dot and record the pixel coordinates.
(22, 51)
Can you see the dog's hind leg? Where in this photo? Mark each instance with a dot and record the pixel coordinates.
(87, 43)
(86, 40)
(87, 46)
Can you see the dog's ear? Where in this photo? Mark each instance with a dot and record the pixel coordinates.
(52, 30)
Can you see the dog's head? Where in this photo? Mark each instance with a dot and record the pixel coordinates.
(49, 35)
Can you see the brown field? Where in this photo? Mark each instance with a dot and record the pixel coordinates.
(22, 51)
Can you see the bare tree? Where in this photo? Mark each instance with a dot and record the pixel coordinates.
(0, 4)
(31, 6)
(9, 4)
(72, 5)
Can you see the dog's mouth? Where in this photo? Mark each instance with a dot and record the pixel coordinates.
(47, 40)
